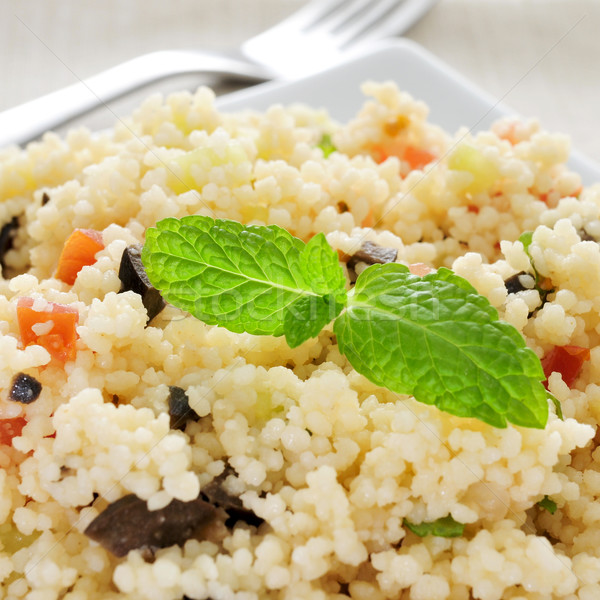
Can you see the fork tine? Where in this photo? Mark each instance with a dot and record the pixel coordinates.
(337, 18)
(308, 15)
(384, 18)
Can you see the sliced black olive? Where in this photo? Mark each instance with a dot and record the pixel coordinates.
(7, 235)
(372, 254)
(127, 524)
(584, 236)
(519, 282)
(24, 388)
(179, 408)
(215, 493)
(133, 278)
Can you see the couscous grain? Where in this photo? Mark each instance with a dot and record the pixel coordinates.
(311, 470)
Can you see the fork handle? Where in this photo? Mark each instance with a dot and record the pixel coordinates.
(28, 121)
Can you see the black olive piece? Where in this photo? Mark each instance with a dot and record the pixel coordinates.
(344, 589)
(7, 235)
(24, 389)
(179, 408)
(133, 278)
(515, 283)
(127, 524)
(584, 236)
(216, 494)
(372, 254)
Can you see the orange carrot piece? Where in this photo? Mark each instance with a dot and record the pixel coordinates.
(415, 157)
(369, 220)
(58, 337)
(79, 251)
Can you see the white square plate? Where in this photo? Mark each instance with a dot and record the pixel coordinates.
(454, 101)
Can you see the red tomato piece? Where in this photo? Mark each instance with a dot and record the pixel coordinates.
(566, 360)
(61, 336)
(420, 269)
(10, 428)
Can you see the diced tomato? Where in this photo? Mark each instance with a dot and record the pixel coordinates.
(60, 337)
(420, 269)
(79, 251)
(566, 360)
(417, 158)
(10, 428)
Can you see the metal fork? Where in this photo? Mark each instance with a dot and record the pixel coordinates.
(315, 37)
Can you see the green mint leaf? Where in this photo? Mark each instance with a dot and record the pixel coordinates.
(306, 317)
(320, 267)
(434, 337)
(445, 527)
(326, 145)
(224, 273)
(548, 505)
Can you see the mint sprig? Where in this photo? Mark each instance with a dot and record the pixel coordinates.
(444, 527)
(244, 278)
(432, 337)
(435, 337)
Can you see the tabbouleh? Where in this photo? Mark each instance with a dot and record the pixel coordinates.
(296, 475)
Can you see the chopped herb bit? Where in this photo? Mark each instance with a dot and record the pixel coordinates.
(133, 278)
(433, 337)
(557, 406)
(548, 505)
(326, 145)
(179, 408)
(445, 527)
(127, 524)
(24, 388)
(542, 284)
(526, 238)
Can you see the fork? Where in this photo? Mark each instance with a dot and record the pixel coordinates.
(310, 40)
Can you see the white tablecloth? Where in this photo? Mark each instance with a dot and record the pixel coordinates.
(542, 57)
